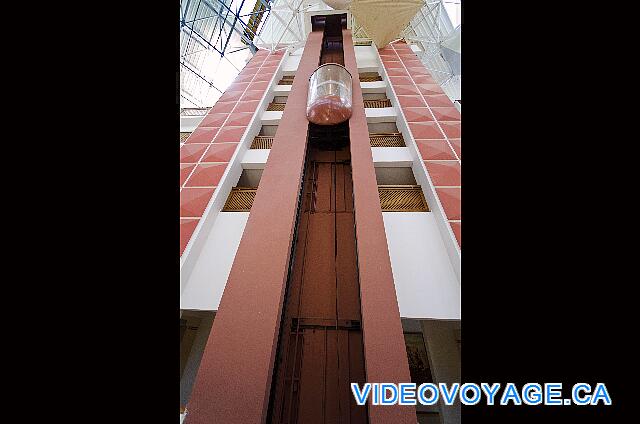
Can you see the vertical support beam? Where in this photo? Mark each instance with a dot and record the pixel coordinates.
(234, 380)
(384, 348)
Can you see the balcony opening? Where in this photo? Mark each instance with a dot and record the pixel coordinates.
(387, 175)
(286, 80)
(241, 197)
(369, 76)
(385, 134)
(250, 178)
(399, 191)
(419, 367)
(277, 104)
(376, 100)
(417, 356)
(195, 327)
(374, 96)
(382, 127)
(264, 139)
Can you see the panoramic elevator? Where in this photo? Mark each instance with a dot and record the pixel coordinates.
(320, 348)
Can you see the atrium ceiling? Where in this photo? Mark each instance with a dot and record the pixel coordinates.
(218, 37)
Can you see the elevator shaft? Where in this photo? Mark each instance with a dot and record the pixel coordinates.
(320, 350)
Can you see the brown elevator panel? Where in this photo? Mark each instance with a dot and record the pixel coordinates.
(320, 350)
(321, 342)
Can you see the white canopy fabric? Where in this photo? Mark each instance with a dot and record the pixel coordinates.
(337, 4)
(384, 20)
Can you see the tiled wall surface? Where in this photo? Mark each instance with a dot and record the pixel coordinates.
(434, 123)
(205, 155)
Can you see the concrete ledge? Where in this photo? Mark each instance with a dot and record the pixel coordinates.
(381, 114)
(255, 158)
(282, 90)
(270, 117)
(373, 66)
(374, 87)
(392, 157)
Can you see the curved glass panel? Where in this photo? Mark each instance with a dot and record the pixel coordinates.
(329, 98)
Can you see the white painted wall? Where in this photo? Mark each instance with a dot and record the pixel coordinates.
(381, 114)
(271, 117)
(282, 90)
(426, 283)
(291, 61)
(392, 157)
(374, 86)
(203, 290)
(366, 57)
(255, 158)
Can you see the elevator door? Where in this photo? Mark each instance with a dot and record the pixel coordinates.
(321, 341)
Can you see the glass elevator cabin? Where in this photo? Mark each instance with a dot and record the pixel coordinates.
(320, 350)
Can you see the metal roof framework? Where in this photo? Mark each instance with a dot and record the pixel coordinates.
(216, 40)
(218, 37)
(285, 26)
(430, 27)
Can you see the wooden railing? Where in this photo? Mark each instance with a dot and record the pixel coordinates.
(240, 199)
(362, 43)
(370, 77)
(286, 80)
(276, 106)
(386, 140)
(262, 142)
(402, 198)
(377, 103)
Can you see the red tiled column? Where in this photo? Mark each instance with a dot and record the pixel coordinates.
(384, 348)
(434, 123)
(234, 380)
(206, 153)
